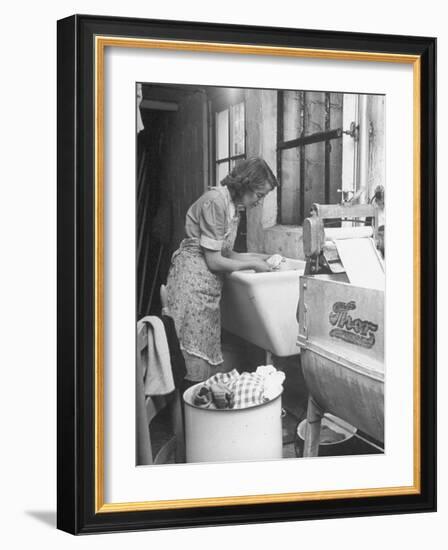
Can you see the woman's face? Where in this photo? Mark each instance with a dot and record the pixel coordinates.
(252, 198)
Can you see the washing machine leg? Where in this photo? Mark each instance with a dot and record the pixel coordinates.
(312, 433)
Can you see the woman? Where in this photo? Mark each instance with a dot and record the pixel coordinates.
(195, 277)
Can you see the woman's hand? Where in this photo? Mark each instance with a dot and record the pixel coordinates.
(258, 256)
(261, 266)
(251, 256)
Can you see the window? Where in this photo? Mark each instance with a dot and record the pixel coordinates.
(309, 129)
(230, 145)
(228, 109)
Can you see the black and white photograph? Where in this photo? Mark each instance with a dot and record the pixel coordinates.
(260, 273)
(221, 315)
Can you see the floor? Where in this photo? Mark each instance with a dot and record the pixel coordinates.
(247, 357)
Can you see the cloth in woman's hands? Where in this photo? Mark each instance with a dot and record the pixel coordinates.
(275, 261)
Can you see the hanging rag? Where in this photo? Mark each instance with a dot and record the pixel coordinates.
(157, 375)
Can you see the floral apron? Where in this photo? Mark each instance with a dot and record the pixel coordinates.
(194, 296)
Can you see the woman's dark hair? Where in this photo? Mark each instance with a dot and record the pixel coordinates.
(249, 174)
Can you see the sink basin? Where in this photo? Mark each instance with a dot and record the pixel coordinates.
(261, 307)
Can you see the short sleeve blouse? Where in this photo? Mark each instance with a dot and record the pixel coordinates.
(208, 219)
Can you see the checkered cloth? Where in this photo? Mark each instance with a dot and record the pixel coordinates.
(247, 388)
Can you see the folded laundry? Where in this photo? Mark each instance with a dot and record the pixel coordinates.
(232, 390)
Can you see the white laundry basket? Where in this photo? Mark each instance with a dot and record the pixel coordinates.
(220, 435)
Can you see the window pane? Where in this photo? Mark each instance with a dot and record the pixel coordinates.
(222, 169)
(222, 134)
(237, 121)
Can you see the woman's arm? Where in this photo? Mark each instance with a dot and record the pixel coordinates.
(242, 256)
(218, 263)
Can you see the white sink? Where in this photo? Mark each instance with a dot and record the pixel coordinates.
(262, 307)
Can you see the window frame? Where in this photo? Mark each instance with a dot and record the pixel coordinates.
(218, 103)
(301, 142)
